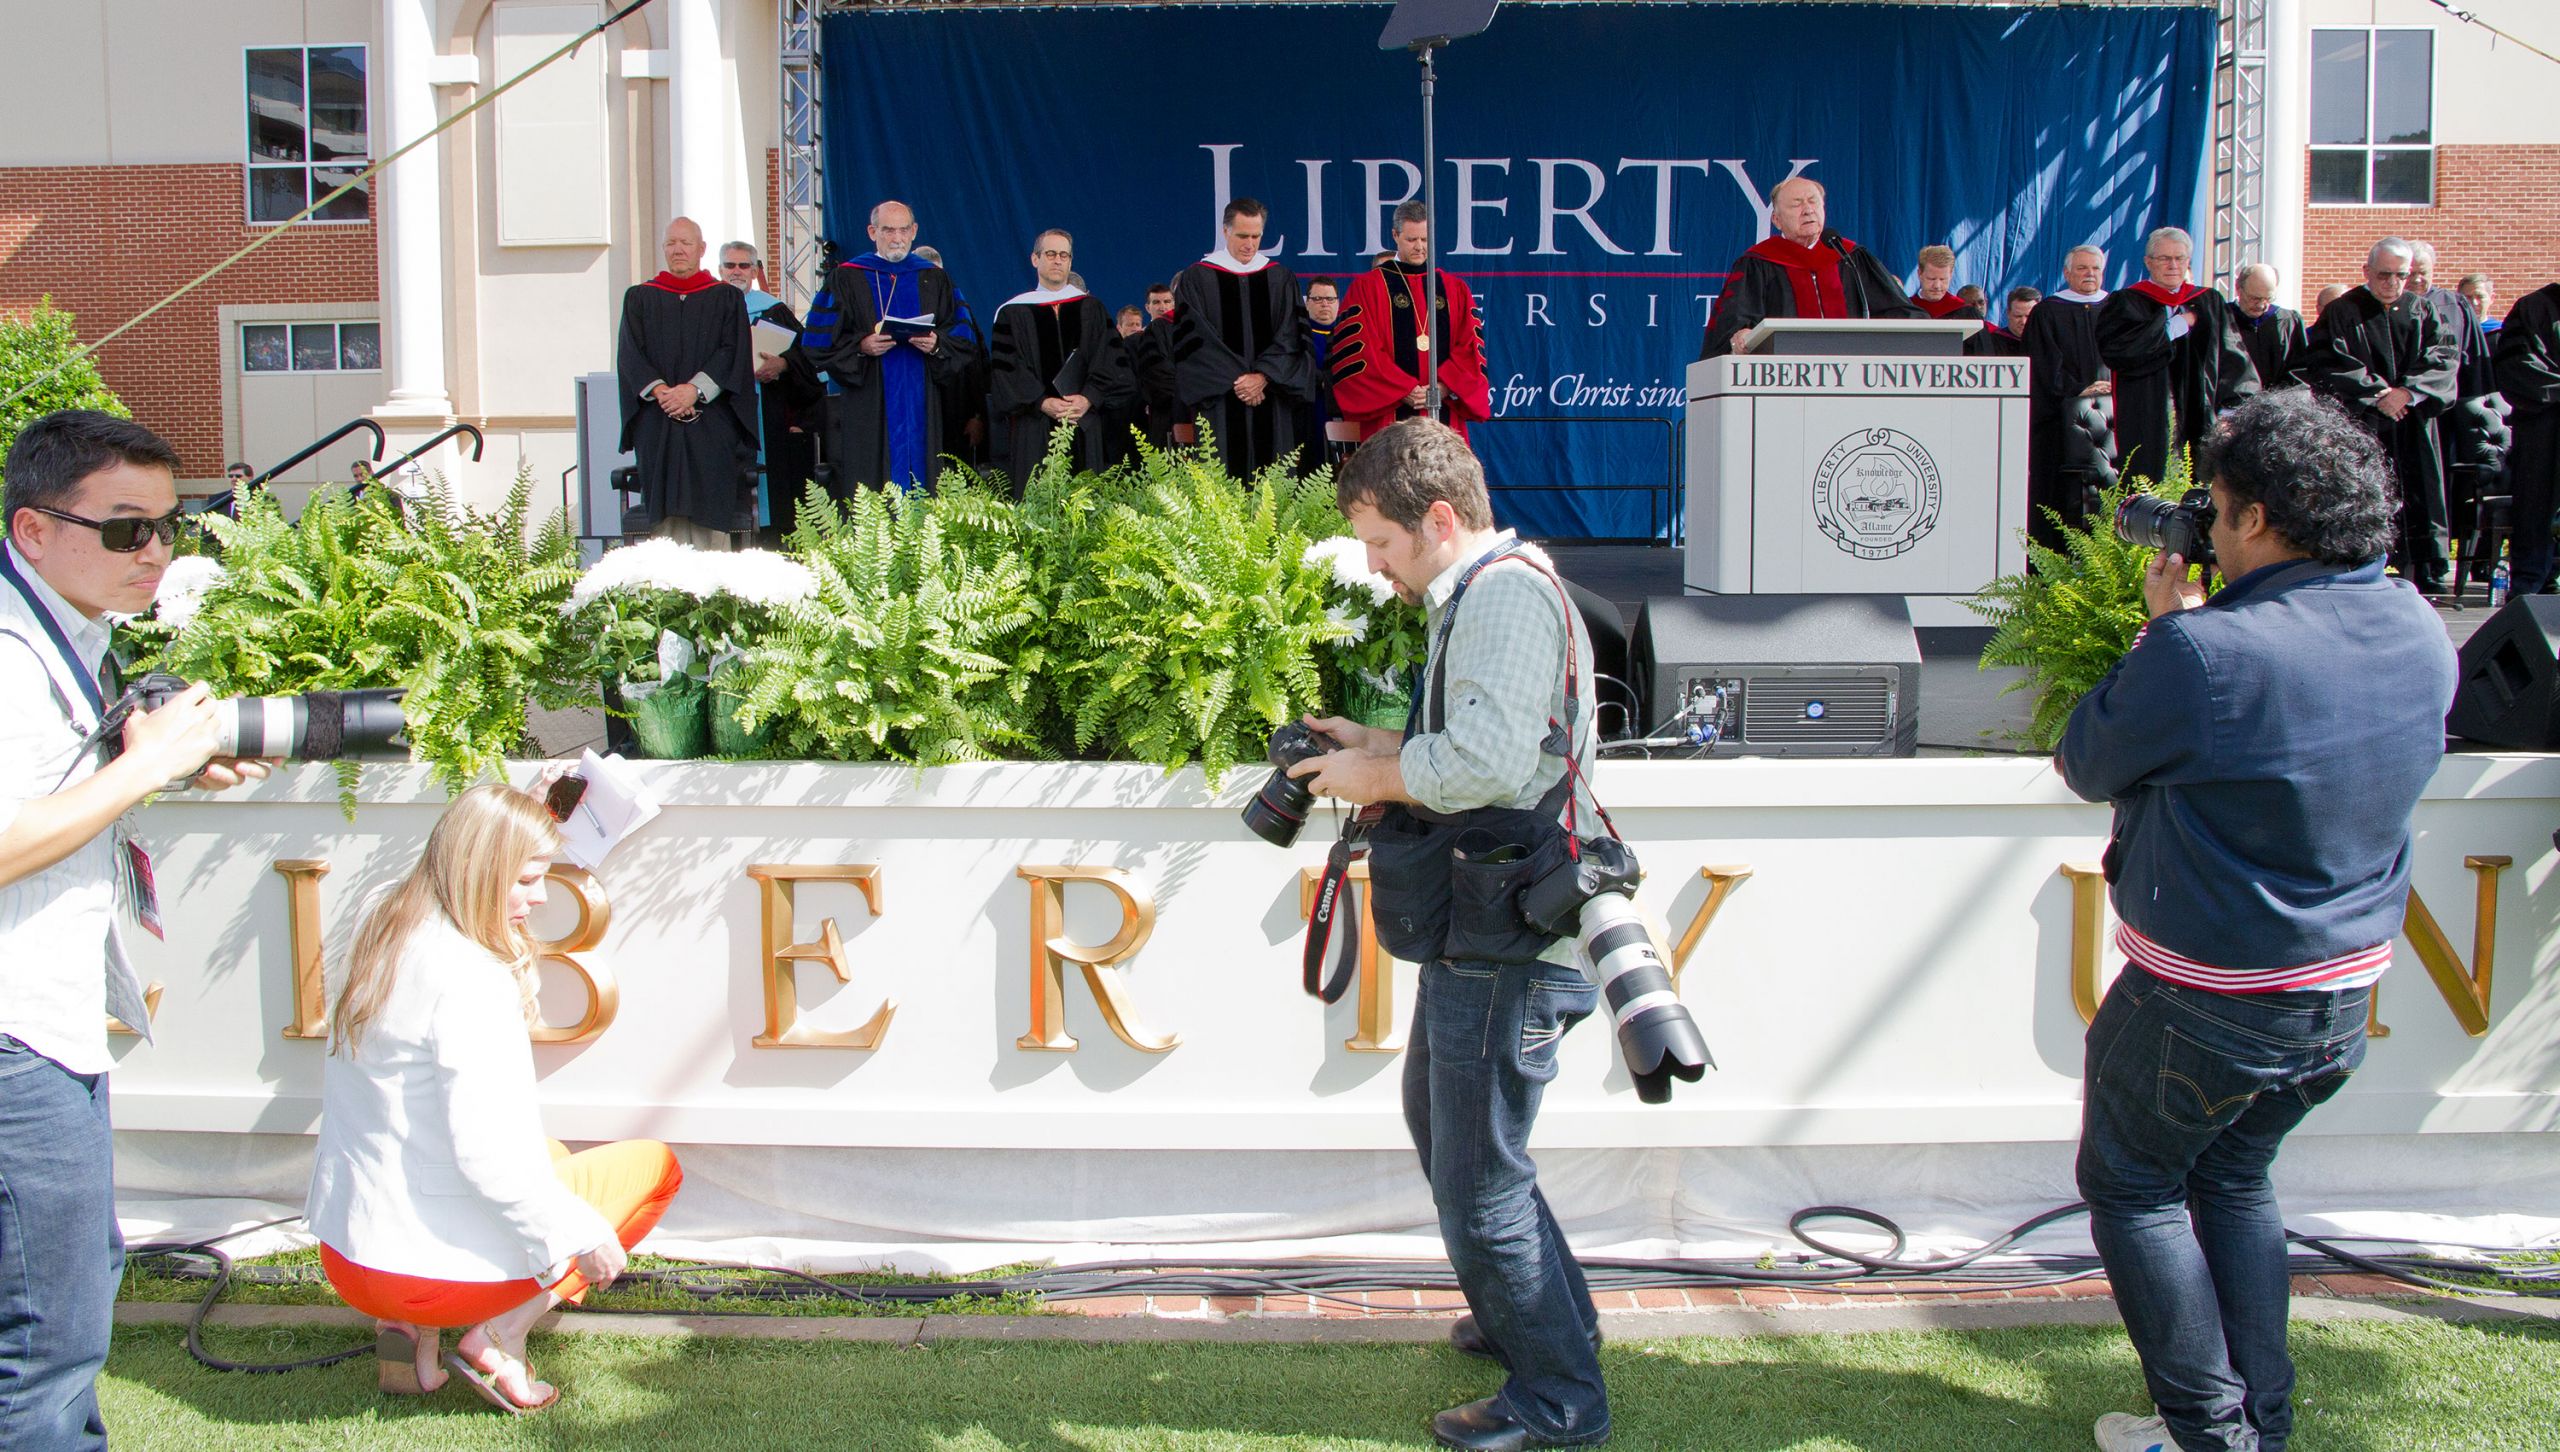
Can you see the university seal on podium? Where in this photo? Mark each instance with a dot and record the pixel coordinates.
(1876, 493)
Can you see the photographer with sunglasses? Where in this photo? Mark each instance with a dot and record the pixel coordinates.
(92, 510)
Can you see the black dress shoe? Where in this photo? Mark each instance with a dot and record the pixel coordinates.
(1486, 1426)
(1464, 1336)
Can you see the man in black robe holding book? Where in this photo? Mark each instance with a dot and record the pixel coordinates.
(893, 352)
(1056, 364)
(686, 370)
(2386, 354)
(1240, 347)
(2175, 354)
(1806, 271)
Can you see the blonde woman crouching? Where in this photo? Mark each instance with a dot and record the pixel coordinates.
(437, 1199)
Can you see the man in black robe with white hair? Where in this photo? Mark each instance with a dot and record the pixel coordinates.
(2177, 359)
(2386, 354)
(687, 372)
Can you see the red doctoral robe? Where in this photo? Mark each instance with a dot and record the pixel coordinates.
(1376, 356)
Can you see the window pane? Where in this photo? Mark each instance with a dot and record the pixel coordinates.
(276, 192)
(2404, 176)
(2403, 86)
(2337, 176)
(315, 347)
(349, 208)
(2337, 87)
(275, 105)
(337, 102)
(360, 345)
(264, 348)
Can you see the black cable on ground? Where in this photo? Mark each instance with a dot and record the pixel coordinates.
(1836, 1269)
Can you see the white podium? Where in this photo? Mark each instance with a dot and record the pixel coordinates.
(1855, 457)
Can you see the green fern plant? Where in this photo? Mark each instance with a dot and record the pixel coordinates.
(459, 606)
(918, 645)
(1185, 619)
(2073, 615)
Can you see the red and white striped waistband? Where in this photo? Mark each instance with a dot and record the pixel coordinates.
(2350, 970)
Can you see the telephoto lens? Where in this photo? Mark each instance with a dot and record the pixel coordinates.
(2183, 529)
(1591, 899)
(1656, 1034)
(315, 726)
(1279, 811)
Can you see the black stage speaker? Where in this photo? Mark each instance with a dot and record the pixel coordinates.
(1784, 675)
(2507, 690)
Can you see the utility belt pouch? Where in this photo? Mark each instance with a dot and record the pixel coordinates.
(1409, 865)
(1496, 856)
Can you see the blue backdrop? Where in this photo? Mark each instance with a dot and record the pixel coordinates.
(1601, 166)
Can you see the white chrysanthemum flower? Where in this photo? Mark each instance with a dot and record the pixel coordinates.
(183, 587)
(652, 564)
(762, 577)
(1357, 624)
(1348, 558)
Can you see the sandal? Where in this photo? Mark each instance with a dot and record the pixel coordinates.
(490, 1381)
(395, 1362)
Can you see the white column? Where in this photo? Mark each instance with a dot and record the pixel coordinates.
(412, 212)
(2288, 101)
(708, 134)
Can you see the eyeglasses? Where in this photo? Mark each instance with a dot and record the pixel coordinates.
(1054, 255)
(737, 267)
(125, 533)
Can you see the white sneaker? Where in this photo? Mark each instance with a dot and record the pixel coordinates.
(2125, 1432)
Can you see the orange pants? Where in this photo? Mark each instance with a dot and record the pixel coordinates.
(632, 1182)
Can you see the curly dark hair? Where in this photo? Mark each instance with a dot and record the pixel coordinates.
(2325, 482)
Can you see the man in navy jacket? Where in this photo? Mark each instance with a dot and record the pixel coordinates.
(2264, 751)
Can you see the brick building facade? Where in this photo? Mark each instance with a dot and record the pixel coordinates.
(2497, 211)
(105, 242)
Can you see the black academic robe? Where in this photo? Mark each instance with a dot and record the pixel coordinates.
(788, 413)
(1995, 341)
(2276, 341)
(673, 330)
(1049, 349)
(2193, 378)
(858, 436)
(1151, 364)
(2527, 362)
(2061, 342)
(2476, 374)
(1227, 324)
(2360, 350)
(1834, 278)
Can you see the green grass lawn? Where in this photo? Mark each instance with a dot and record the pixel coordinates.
(2366, 1387)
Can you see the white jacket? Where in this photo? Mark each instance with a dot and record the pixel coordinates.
(432, 1161)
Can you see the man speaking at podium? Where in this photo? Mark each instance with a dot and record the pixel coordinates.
(1806, 271)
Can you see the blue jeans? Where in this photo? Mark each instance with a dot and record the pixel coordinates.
(61, 1255)
(1483, 1051)
(2187, 1096)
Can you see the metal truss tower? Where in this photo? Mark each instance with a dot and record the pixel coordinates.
(803, 223)
(2239, 138)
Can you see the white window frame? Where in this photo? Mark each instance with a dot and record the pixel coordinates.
(2435, 89)
(240, 337)
(249, 164)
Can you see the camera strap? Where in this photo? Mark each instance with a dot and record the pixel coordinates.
(1324, 915)
(86, 682)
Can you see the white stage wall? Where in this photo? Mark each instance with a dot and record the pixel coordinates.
(1887, 979)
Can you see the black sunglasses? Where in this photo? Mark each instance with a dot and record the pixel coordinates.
(125, 533)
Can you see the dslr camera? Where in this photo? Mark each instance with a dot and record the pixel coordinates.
(2183, 529)
(314, 726)
(1278, 812)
